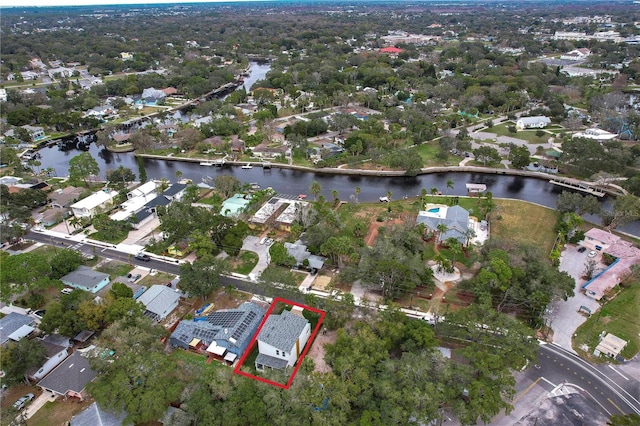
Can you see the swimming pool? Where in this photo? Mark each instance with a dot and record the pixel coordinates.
(434, 210)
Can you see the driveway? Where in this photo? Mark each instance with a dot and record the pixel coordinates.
(252, 243)
(38, 403)
(564, 318)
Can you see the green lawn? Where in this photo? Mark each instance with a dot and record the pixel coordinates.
(115, 238)
(115, 268)
(248, 260)
(524, 222)
(528, 135)
(428, 152)
(619, 317)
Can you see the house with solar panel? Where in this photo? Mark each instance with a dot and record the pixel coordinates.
(282, 339)
(223, 334)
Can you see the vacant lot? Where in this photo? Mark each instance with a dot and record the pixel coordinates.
(524, 222)
(619, 317)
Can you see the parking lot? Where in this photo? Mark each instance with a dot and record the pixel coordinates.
(565, 317)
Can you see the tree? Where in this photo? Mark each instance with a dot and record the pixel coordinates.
(624, 420)
(315, 189)
(486, 154)
(577, 203)
(82, 166)
(17, 358)
(23, 272)
(142, 171)
(188, 137)
(280, 255)
(279, 277)
(120, 177)
(626, 208)
(65, 261)
(120, 290)
(450, 184)
(227, 185)
(519, 157)
(202, 277)
(140, 379)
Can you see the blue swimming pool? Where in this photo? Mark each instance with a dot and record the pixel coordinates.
(434, 210)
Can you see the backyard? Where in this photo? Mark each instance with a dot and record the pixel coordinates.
(619, 317)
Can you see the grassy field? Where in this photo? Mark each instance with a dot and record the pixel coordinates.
(524, 222)
(115, 268)
(428, 152)
(528, 135)
(619, 317)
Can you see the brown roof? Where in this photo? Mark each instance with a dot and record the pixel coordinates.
(65, 196)
(170, 91)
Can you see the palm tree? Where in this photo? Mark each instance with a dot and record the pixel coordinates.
(389, 194)
(315, 189)
(357, 192)
(450, 185)
(442, 228)
(434, 191)
(469, 234)
(336, 200)
(179, 174)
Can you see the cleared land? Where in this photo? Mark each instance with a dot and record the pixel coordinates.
(619, 317)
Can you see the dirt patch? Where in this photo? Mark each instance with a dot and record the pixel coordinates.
(372, 234)
(317, 351)
(58, 413)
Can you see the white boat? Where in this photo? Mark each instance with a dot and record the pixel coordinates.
(247, 166)
(206, 163)
(254, 185)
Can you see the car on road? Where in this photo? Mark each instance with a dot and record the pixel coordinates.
(22, 402)
(592, 253)
(143, 257)
(582, 249)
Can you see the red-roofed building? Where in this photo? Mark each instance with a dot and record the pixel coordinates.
(391, 50)
(170, 91)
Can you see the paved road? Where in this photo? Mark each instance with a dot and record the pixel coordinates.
(558, 365)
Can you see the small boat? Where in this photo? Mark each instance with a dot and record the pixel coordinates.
(247, 166)
(254, 185)
(206, 163)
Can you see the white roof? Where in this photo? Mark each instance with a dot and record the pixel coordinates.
(144, 189)
(215, 349)
(23, 331)
(94, 200)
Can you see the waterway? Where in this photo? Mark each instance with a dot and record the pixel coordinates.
(295, 182)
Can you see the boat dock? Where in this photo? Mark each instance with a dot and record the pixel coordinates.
(577, 185)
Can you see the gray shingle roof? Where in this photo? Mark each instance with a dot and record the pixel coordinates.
(85, 277)
(456, 220)
(11, 323)
(72, 375)
(174, 189)
(94, 415)
(282, 331)
(271, 361)
(158, 299)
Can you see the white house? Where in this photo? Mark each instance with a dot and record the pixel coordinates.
(595, 133)
(143, 190)
(159, 301)
(282, 340)
(537, 122)
(576, 54)
(55, 355)
(93, 204)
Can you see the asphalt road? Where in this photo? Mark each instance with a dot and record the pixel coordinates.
(559, 366)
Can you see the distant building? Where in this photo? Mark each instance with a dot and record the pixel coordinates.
(536, 122)
(281, 340)
(280, 211)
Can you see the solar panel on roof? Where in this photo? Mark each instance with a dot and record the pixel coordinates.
(245, 324)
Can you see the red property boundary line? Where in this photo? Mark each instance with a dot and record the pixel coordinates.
(300, 359)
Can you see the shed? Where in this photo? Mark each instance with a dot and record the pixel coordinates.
(611, 346)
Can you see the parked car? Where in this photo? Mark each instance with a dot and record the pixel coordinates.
(134, 278)
(66, 290)
(143, 257)
(592, 253)
(40, 313)
(582, 249)
(22, 402)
